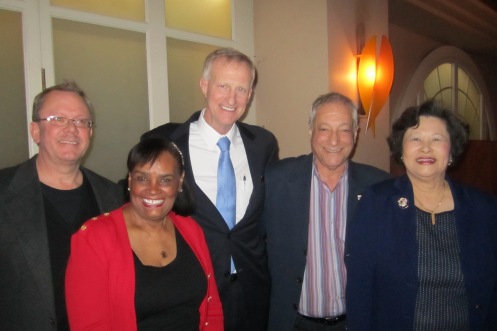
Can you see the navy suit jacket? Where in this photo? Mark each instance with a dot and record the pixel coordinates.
(382, 262)
(26, 287)
(286, 220)
(244, 242)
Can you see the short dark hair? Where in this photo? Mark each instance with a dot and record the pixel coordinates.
(457, 128)
(66, 86)
(148, 151)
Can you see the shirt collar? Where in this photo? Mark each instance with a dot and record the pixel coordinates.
(316, 173)
(211, 136)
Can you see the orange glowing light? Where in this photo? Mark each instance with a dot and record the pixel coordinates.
(375, 78)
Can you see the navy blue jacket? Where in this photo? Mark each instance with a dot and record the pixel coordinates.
(286, 220)
(382, 256)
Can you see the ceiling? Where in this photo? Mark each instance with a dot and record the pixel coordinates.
(467, 24)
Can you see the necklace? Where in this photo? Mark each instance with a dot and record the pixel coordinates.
(163, 252)
(432, 211)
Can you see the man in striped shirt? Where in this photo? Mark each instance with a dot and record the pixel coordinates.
(309, 200)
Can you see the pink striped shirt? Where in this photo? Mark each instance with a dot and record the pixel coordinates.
(323, 288)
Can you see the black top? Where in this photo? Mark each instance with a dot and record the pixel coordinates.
(65, 211)
(168, 298)
(441, 303)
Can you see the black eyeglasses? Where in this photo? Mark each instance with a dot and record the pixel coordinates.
(64, 121)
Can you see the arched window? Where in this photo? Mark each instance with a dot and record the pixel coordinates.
(457, 90)
(450, 76)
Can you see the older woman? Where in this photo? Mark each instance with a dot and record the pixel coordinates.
(422, 250)
(144, 266)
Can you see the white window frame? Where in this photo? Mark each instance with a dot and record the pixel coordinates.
(38, 46)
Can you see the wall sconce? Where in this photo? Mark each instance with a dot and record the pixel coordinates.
(374, 78)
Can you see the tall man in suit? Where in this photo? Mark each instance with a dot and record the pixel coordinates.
(309, 200)
(43, 201)
(226, 83)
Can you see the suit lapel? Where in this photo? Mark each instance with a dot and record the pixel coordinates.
(26, 215)
(300, 194)
(404, 219)
(354, 187)
(181, 137)
(256, 172)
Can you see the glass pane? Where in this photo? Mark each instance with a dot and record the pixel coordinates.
(473, 92)
(447, 98)
(185, 62)
(129, 9)
(438, 85)
(432, 84)
(462, 80)
(110, 65)
(469, 103)
(13, 123)
(212, 18)
(445, 75)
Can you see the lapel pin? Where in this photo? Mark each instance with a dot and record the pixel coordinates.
(403, 203)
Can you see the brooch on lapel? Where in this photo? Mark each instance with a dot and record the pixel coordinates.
(403, 203)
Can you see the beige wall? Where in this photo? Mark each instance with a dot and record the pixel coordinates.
(307, 48)
(291, 51)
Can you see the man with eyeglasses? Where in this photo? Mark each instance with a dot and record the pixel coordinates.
(43, 201)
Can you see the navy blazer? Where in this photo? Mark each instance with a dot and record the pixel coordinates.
(286, 220)
(382, 257)
(26, 287)
(244, 242)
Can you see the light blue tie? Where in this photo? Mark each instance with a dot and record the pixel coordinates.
(226, 187)
(226, 184)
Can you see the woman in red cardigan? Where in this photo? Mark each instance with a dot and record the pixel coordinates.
(146, 265)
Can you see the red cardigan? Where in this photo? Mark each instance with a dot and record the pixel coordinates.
(100, 277)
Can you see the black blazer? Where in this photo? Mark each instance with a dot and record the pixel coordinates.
(286, 219)
(26, 288)
(244, 242)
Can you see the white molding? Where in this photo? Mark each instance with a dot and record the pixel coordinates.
(101, 20)
(158, 93)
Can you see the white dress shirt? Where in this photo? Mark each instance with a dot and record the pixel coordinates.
(204, 156)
